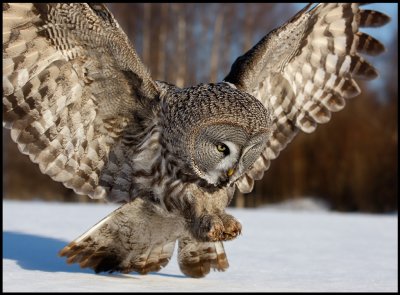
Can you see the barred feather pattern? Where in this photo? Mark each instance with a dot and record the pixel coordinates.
(81, 105)
(197, 259)
(141, 237)
(67, 89)
(305, 70)
(138, 236)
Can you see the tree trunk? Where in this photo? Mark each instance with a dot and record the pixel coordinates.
(146, 33)
(216, 45)
(163, 42)
(181, 53)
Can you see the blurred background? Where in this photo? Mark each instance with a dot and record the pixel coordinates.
(350, 163)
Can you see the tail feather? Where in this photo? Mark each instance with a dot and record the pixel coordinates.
(196, 259)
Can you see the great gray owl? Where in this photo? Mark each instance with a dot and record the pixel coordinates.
(81, 104)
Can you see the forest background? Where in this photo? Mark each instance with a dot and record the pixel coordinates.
(349, 163)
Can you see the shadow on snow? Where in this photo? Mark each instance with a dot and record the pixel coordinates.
(34, 252)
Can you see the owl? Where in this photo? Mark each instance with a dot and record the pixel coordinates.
(80, 103)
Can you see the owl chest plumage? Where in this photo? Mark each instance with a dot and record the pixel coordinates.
(155, 176)
(158, 176)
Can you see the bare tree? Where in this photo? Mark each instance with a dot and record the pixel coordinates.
(216, 44)
(180, 50)
(163, 41)
(146, 32)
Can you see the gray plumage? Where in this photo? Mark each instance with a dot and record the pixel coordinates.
(81, 104)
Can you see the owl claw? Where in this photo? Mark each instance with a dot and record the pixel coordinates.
(232, 227)
(216, 233)
(225, 228)
(213, 228)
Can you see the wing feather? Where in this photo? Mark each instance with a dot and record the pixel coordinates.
(138, 236)
(72, 83)
(305, 70)
(196, 259)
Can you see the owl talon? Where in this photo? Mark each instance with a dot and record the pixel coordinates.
(233, 228)
(216, 232)
(222, 228)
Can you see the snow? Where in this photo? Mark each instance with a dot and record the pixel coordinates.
(280, 249)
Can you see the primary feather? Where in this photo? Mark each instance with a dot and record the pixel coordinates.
(304, 70)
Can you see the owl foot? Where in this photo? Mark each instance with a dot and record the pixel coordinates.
(216, 232)
(232, 227)
(223, 227)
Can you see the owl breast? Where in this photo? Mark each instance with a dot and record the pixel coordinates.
(160, 177)
(155, 173)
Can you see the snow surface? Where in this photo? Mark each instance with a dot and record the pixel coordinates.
(280, 249)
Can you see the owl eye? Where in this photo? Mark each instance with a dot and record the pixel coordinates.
(223, 149)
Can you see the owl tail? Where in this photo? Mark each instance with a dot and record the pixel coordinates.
(197, 258)
(135, 237)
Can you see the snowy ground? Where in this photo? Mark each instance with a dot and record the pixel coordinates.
(281, 249)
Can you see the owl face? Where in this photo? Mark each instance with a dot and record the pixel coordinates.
(216, 130)
(221, 153)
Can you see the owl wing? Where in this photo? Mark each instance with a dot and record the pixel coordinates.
(139, 236)
(304, 70)
(72, 85)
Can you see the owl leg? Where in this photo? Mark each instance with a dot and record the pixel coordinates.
(196, 259)
(135, 237)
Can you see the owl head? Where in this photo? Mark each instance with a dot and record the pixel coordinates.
(218, 130)
(220, 152)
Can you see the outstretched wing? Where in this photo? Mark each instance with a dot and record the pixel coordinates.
(72, 85)
(305, 70)
(138, 236)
